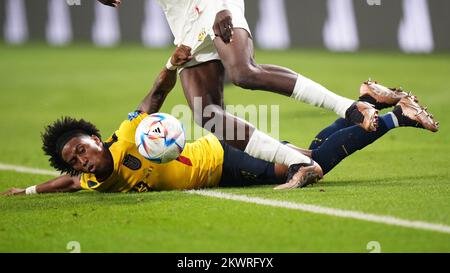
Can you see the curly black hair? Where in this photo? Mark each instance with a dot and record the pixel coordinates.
(56, 135)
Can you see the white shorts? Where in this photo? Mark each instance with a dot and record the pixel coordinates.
(201, 35)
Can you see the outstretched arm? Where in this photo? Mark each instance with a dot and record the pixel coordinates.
(165, 81)
(64, 183)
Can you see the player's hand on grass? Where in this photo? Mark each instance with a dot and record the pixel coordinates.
(14, 191)
(223, 26)
(111, 3)
(181, 55)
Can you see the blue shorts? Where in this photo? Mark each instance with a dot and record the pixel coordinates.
(240, 169)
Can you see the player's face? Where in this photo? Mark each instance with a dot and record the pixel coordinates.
(85, 154)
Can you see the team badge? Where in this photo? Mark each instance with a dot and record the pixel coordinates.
(92, 184)
(132, 162)
(201, 37)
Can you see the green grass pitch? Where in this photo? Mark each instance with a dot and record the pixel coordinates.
(405, 174)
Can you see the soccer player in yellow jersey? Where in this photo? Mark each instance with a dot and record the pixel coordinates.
(114, 165)
(198, 166)
(87, 162)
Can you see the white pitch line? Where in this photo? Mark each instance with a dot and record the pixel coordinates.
(22, 169)
(381, 219)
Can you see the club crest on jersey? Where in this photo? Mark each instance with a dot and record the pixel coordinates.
(92, 184)
(201, 37)
(132, 162)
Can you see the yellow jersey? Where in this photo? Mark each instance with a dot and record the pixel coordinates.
(199, 165)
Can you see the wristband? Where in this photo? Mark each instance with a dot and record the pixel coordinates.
(170, 66)
(31, 190)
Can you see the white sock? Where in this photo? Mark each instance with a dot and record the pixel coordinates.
(265, 147)
(315, 94)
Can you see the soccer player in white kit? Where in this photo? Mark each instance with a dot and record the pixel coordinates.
(219, 39)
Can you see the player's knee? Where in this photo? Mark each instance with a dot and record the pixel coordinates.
(244, 76)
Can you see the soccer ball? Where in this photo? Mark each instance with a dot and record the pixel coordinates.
(160, 138)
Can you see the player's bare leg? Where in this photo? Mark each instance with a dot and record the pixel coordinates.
(243, 71)
(205, 81)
